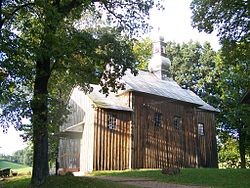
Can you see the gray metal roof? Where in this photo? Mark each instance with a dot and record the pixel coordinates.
(110, 102)
(147, 82)
(205, 106)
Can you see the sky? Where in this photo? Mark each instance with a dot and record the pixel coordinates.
(175, 25)
(11, 141)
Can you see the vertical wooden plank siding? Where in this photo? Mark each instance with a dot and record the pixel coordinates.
(87, 141)
(69, 153)
(207, 155)
(78, 153)
(136, 141)
(112, 145)
(156, 147)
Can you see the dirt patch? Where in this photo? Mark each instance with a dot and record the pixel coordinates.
(143, 182)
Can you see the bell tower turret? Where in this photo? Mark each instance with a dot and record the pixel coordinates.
(159, 63)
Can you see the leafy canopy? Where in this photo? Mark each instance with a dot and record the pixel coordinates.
(45, 51)
(231, 20)
(77, 39)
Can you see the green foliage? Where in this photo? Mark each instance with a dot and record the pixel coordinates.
(12, 165)
(194, 67)
(44, 53)
(231, 19)
(228, 178)
(2, 75)
(143, 52)
(73, 59)
(234, 116)
(229, 155)
(24, 156)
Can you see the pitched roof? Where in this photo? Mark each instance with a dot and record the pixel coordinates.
(204, 106)
(147, 82)
(110, 102)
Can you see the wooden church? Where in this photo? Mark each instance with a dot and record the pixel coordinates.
(153, 123)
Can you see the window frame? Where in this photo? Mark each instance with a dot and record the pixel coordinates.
(112, 121)
(158, 121)
(177, 122)
(201, 129)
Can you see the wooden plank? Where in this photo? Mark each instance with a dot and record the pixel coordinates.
(104, 152)
(95, 137)
(98, 143)
(108, 146)
(117, 141)
(101, 143)
(126, 144)
(114, 147)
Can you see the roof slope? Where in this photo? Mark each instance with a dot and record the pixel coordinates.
(110, 102)
(147, 82)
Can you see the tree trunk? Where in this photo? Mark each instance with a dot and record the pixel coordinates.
(39, 107)
(242, 146)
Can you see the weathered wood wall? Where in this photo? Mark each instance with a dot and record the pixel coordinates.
(82, 111)
(69, 153)
(87, 140)
(77, 114)
(206, 144)
(69, 147)
(111, 146)
(156, 147)
(136, 142)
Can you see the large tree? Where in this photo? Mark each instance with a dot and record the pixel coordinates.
(234, 116)
(193, 66)
(43, 41)
(231, 20)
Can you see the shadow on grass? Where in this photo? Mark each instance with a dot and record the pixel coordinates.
(61, 182)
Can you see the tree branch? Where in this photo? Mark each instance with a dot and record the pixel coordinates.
(3, 18)
(69, 6)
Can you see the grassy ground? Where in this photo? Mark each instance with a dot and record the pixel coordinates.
(61, 182)
(218, 178)
(20, 168)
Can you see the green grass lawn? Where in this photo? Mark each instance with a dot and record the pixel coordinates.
(20, 168)
(218, 178)
(62, 182)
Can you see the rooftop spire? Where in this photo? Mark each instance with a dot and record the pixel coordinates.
(159, 63)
